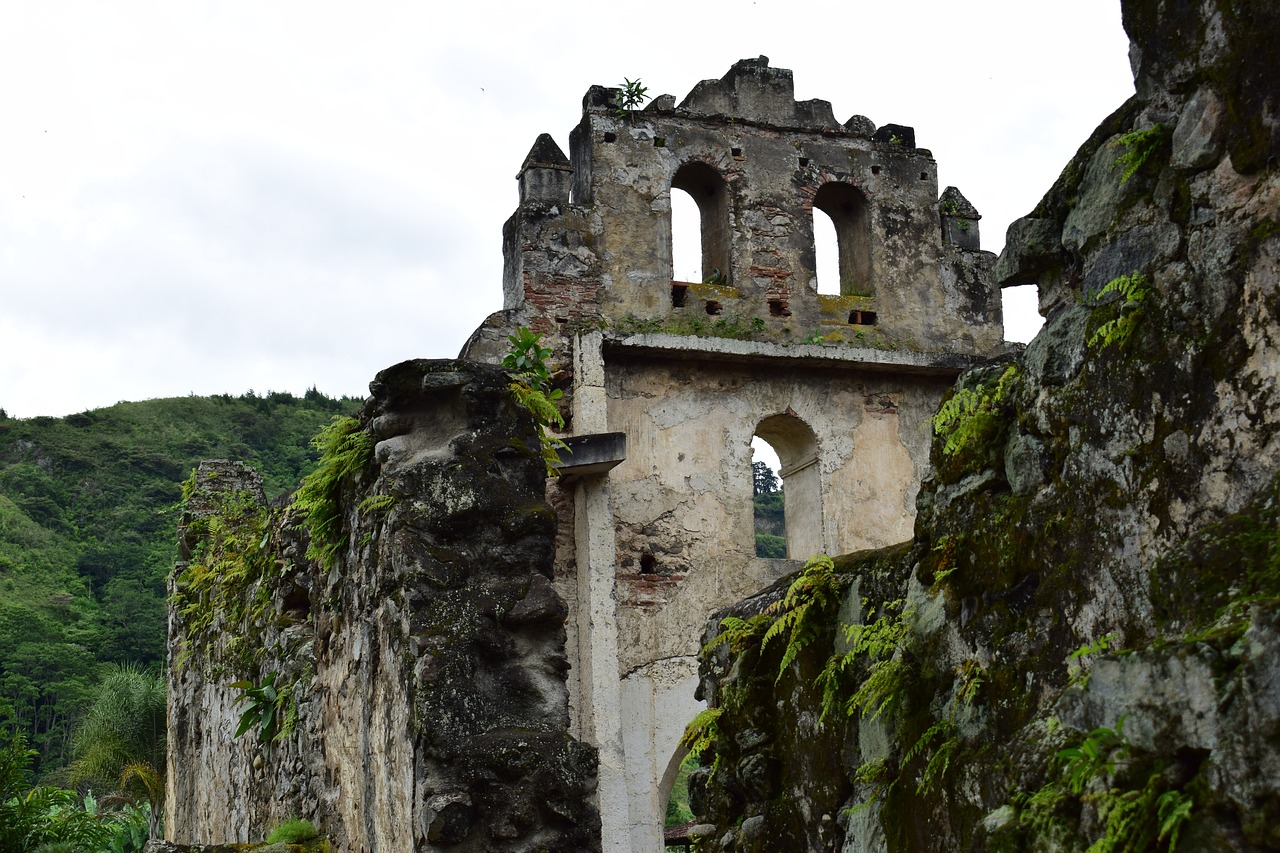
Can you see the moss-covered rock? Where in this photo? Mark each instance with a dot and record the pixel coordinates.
(1097, 549)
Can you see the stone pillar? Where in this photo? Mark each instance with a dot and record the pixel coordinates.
(595, 545)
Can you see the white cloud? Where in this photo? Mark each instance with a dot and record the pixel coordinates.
(213, 196)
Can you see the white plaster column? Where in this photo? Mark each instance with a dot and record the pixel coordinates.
(595, 549)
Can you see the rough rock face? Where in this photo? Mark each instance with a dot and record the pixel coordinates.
(422, 669)
(1080, 646)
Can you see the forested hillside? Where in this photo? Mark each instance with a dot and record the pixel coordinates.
(87, 536)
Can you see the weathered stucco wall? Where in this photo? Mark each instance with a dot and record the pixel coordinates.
(683, 498)
(842, 384)
(426, 663)
(1094, 562)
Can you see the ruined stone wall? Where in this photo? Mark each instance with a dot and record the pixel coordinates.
(1094, 561)
(425, 664)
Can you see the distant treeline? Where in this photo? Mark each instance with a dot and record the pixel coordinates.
(87, 525)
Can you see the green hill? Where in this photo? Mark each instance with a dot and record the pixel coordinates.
(87, 535)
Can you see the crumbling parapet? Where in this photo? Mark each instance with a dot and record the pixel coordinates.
(423, 665)
(590, 245)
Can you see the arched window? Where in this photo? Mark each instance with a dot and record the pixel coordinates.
(846, 207)
(710, 194)
(797, 449)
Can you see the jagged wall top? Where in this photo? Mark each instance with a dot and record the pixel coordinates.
(751, 91)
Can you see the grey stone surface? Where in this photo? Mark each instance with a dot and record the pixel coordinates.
(427, 665)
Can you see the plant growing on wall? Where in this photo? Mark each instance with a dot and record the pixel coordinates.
(345, 450)
(1133, 292)
(531, 386)
(1137, 807)
(630, 96)
(1138, 146)
(270, 710)
(970, 415)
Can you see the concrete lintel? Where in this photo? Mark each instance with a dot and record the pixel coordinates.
(592, 454)
(685, 347)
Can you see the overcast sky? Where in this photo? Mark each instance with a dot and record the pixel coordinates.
(209, 197)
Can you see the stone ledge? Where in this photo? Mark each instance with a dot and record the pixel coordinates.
(798, 355)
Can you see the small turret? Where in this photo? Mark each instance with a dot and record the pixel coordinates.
(959, 220)
(546, 174)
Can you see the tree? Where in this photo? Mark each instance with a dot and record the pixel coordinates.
(121, 741)
(763, 479)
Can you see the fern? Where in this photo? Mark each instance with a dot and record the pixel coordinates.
(377, 503)
(1138, 146)
(702, 731)
(1134, 292)
(738, 633)
(801, 612)
(1131, 819)
(876, 643)
(345, 450)
(942, 739)
(970, 414)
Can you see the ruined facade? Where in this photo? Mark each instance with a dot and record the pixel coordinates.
(841, 385)
(440, 600)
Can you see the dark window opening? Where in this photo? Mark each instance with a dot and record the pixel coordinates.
(648, 563)
(714, 307)
(778, 308)
(804, 161)
(924, 176)
(611, 137)
(875, 170)
(862, 318)
(679, 292)
(736, 152)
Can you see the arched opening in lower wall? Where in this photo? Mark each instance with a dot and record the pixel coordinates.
(797, 449)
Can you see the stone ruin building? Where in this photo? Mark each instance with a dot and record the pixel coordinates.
(666, 384)
(842, 386)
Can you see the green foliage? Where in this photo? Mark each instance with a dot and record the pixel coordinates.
(940, 742)
(269, 710)
(630, 96)
(802, 612)
(702, 731)
(873, 661)
(1093, 757)
(121, 741)
(213, 590)
(678, 810)
(87, 533)
(36, 818)
(1138, 817)
(738, 633)
(293, 831)
(771, 547)
(1138, 146)
(971, 415)
(532, 389)
(769, 517)
(345, 450)
(1075, 667)
(1134, 291)
(763, 480)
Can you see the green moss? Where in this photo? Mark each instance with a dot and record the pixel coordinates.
(1208, 585)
